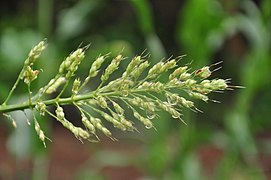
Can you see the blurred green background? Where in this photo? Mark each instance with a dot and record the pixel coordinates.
(230, 140)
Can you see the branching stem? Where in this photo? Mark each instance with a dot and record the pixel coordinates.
(13, 87)
(145, 95)
(60, 101)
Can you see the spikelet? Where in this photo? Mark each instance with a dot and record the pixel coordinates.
(93, 71)
(29, 75)
(54, 84)
(13, 122)
(75, 86)
(148, 124)
(39, 132)
(77, 131)
(35, 53)
(113, 66)
(41, 107)
(71, 63)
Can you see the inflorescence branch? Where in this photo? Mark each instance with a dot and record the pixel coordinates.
(141, 89)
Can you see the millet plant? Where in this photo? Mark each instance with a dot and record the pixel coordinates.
(139, 93)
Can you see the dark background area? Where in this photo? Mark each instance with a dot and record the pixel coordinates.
(230, 140)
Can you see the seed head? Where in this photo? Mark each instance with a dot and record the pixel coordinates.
(148, 124)
(80, 133)
(41, 107)
(144, 105)
(169, 108)
(88, 124)
(156, 87)
(97, 123)
(126, 123)
(76, 85)
(185, 103)
(118, 109)
(102, 101)
(35, 53)
(206, 84)
(198, 96)
(155, 70)
(190, 83)
(219, 84)
(54, 84)
(115, 123)
(138, 71)
(71, 63)
(177, 72)
(29, 75)
(185, 76)
(113, 66)
(203, 72)
(132, 66)
(13, 122)
(168, 65)
(39, 132)
(93, 71)
(60, 113)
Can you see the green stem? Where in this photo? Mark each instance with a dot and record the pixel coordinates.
(29, 94)
(13, 87)
(62, 101)
(84, 83)
(63, 89)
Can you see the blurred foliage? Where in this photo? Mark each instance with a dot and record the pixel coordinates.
(207, 31)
